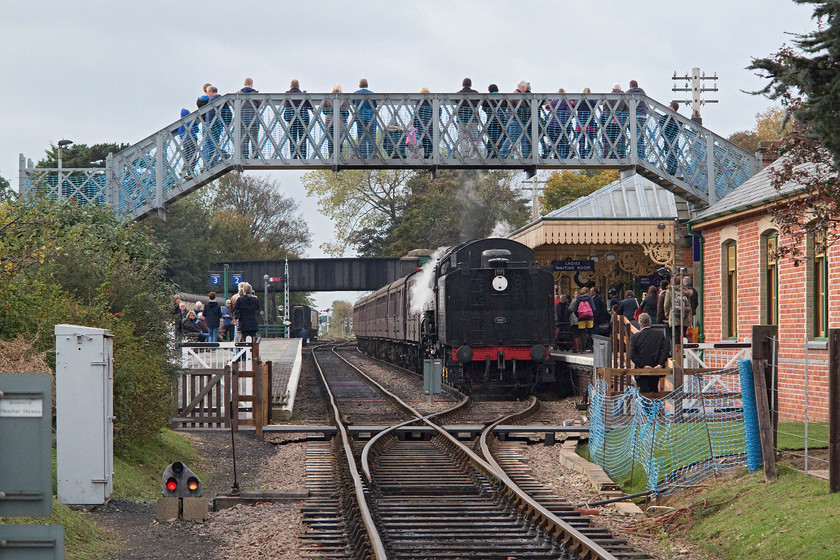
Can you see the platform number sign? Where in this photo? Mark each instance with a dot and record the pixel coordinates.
(215, 279)
(236, 279)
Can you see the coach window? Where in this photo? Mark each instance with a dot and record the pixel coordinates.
(819, 279)
(770, 278)
(730, 291)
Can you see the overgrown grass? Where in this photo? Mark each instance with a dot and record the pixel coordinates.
(795, 517)
(138, 470)
(791, 435)
(137, 477)
(83, 539)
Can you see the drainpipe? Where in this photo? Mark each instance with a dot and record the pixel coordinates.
(701, 337)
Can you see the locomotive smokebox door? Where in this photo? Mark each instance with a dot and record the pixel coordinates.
(499, 283)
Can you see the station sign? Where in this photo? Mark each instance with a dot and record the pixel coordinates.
(236, 279)
(573, 265)
(215, 279)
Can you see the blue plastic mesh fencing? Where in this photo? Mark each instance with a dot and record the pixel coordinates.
(752, 438)
(695, 432)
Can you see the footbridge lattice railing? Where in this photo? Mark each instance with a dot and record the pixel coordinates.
(397, 130)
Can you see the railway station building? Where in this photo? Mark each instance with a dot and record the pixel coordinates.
(744, 283)
(621, 234)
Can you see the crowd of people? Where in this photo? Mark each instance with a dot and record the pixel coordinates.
(480, 125)
(235, 321)
(577, 318)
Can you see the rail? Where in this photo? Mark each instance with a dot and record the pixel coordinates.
(377, 548)
(404, 131)
(574, 541)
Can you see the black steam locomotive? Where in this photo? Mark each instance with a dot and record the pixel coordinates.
(485, 309)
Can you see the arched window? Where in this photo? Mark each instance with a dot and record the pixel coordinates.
(769, 263)
(729, 290)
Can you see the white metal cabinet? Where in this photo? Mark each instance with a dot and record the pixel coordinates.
(84, 379)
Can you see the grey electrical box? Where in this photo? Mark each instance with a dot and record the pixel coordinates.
(84, 380)
(32, 542)
(432, 374)
(25, 445)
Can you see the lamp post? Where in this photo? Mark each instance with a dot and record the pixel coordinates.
(61, 145)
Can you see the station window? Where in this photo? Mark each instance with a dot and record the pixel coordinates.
(771, 279)
(820, 292)
(730, 291)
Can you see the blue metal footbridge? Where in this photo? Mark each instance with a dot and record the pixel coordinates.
(404, 131)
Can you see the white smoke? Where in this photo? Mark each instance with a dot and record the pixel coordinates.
(501, 229)
(422, 293)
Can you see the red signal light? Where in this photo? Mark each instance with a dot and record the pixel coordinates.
(171, 484)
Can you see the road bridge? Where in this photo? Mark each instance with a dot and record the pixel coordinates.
(326, 275)
(405, 131)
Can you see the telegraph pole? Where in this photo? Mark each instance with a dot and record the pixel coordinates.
(535, 195)
(696, 84)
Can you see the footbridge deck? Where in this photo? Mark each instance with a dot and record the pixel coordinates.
(405, 131)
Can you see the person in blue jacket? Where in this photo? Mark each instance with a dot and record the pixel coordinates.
(250, 124)
(189, 143)
(365, 121)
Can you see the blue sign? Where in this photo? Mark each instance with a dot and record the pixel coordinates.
(571, 265)
(215, 279)
(236, 279)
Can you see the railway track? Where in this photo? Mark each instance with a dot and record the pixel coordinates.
(437, 498)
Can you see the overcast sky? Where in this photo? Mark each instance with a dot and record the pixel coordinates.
(103, 71)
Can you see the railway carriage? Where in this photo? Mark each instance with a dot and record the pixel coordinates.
(485, 310)
(305, 322)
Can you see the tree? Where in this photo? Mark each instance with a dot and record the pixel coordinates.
(342, 312)
(564, 187)
(240, 219)
(388, 213)
(356, 201)
(6, 192)
(273, 219)
(813, 206)
(806, 78)
(80, 155)
(78, 264)
(457, 206)
(770, 125)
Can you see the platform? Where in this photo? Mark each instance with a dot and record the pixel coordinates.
(285, 355)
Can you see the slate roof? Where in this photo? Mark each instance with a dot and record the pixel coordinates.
(755, 191)
(631, 197)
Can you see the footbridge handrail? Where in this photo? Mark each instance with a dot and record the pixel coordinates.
(401, 130)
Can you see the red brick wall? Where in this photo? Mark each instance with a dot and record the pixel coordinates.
(793, 312)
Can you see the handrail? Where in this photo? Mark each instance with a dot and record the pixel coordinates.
(408, 131)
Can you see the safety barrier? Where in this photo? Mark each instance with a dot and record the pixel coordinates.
(675, 443)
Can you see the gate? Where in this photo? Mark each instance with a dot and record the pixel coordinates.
(237, 394)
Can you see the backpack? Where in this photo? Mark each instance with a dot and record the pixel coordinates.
(584, 311)
(682, 306)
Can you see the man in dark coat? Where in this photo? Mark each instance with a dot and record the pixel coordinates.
(247, 313)
(648, 349)
(212, 316)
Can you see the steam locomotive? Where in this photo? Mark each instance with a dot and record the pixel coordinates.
(485, 308)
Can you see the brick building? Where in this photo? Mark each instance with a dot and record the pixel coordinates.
(744, 284)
